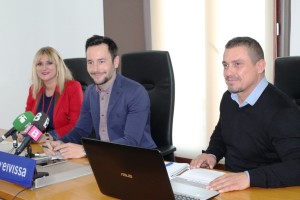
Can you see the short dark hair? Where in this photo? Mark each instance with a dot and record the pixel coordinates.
(97, 40)
(255, 50)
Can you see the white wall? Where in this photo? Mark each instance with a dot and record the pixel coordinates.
(26, 26)
(295, 28)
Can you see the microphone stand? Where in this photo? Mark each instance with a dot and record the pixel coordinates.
(14, 137)
(37, 174)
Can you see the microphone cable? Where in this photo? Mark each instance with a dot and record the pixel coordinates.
(15, 196)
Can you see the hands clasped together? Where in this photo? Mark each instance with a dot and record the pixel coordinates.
(227, 182)
(66, 150)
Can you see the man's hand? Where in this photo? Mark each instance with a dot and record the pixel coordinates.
(49, 147)
(68, 150)
(229, 182)
(203, 161)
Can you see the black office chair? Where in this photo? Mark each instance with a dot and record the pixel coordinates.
(153, 69)
(79, 71)
(287, 76)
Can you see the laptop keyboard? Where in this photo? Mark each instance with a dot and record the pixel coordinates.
(183, 197)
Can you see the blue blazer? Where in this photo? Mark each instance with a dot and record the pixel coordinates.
(128, 115)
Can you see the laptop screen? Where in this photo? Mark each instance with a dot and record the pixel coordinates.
(128, 172)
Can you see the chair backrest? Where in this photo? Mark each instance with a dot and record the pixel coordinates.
(287, 76)
(79, 71)
(153, 69)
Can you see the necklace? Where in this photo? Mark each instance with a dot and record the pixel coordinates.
(49, 103)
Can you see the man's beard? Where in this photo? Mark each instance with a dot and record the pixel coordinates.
(106, 79)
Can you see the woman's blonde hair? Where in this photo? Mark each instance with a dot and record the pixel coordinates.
(62, 72)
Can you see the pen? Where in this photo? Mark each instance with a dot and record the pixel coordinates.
(168, 164)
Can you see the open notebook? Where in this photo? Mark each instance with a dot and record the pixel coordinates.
(182, 170)
(180, 173)
(128, 172)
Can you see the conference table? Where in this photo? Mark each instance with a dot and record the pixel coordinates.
(85, 187)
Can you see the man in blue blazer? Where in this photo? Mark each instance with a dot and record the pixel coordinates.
(117, 108)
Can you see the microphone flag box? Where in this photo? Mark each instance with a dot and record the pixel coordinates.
(17, 169)
(33, 132)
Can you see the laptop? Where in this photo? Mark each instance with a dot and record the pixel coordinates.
(127, 172)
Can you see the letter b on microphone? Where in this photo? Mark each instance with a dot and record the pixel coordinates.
(34, 133)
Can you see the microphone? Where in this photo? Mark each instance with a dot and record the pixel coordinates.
(19, 124)
(34, 131)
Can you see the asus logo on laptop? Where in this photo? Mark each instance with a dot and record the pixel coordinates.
(126, 175)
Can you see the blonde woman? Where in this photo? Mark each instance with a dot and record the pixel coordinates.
(54, 92)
